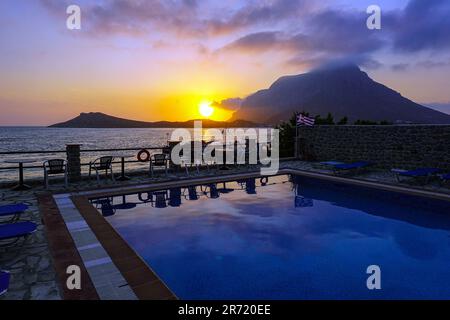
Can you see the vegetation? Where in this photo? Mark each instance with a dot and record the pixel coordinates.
(287, 134)
(287, 129)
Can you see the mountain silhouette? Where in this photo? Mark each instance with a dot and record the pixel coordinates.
(101, 120)
(342, 90)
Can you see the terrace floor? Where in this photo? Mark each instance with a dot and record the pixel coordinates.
(32, 270)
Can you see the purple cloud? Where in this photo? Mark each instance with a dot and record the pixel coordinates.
(423, 25)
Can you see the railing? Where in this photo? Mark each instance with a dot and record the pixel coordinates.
(44, 155)
(89, 155)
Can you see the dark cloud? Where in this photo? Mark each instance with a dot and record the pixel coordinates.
(330, 35)
(259, 14)
(229, 104)
(260, 42)
(179, 16)
(422, 25)
(429, 64)
(309, 34)
(400, 67)
(134, 17)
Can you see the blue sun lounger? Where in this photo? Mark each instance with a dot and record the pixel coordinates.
(13, 210)
(417, 173)
(12, 232)
(331, 163)
(351, 166)
(4, 281)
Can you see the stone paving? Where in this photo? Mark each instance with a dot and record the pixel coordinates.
(32, 273)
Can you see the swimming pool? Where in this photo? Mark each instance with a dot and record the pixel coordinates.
(289, 237)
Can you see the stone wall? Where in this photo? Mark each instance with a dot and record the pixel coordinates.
(397, 146)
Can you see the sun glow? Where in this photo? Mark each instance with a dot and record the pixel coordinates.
(205, 109)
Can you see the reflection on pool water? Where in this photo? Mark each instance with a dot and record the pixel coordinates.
(287, 238)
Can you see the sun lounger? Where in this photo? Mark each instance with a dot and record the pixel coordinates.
(12, 232)
(331, 163)
(4, 281)
(13, 210)
(326, 164)
(417, 173)
(351, 166)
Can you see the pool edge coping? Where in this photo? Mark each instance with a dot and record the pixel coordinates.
(129, 189)
(143, 281)
(59, 241)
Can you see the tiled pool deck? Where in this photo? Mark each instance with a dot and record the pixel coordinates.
(108, 271)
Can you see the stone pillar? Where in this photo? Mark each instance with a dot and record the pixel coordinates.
(73, 161)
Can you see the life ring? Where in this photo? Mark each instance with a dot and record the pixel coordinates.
(141, 153)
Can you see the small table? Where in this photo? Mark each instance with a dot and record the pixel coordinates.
(123, 177)
(21, 185)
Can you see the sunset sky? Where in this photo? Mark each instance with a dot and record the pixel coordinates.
(158, 60)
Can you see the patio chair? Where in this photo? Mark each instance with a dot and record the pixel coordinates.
(102, 163)
(357, 166)
(421, 173)
(158, 160)
(4, 281)
(14, 210)
(12, 232)
(54, 167)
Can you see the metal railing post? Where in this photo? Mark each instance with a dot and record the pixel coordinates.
(73, 162)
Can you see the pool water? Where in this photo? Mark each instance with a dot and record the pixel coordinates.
(288, 238)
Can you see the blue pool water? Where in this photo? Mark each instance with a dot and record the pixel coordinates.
(292, 238)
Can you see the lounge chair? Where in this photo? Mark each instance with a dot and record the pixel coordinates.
(425, 173)
(54, 167)
(12, 232)
(14, 210)
(331, 163)
(159, 160)
(102, 163)
(326, 164)
(4, 281)
(351, 166)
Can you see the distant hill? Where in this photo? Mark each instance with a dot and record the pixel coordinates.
(101, 120)
(342, 90)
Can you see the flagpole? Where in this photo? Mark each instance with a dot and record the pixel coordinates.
(296, 138)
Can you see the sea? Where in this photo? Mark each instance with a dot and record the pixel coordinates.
(16, 139)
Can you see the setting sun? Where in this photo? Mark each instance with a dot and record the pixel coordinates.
(205, 109)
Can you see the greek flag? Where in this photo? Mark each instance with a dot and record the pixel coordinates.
(304, 120)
